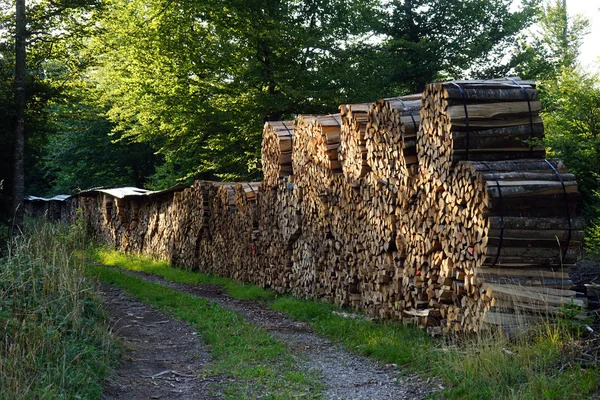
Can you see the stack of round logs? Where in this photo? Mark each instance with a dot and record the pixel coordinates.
(391, 137)
(478, 120)
(352, 152)
(438, 209)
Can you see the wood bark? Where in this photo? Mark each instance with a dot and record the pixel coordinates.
(18, 192)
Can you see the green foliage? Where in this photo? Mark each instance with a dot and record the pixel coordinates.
(56, 341)
(592, 237)
(528, 368)
(56, 32)
(240, 349)
(430, 40)
(572, 123)
(574, 319)
(199, 79)
(36, 124)
(570, 102)
(202, 107)
(548, 50)
(82, 153)
(187, 85)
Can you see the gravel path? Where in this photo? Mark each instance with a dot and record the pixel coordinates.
(345, 375)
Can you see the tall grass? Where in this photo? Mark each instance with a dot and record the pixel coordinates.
(56, 341)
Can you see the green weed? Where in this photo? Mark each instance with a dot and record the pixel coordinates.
(238, 290)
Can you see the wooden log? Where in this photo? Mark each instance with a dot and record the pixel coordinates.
(277, 151)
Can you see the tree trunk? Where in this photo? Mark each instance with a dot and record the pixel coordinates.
(20, 103)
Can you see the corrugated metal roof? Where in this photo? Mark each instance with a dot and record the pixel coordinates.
(123, 192)
(59, 197)
(118, 192)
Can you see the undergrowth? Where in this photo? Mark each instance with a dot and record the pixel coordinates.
(262, 367)
(546, 363)
(55, 337)
(543, 364)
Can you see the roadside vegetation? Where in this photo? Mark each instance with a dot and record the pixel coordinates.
(55, 336)
(552, 362)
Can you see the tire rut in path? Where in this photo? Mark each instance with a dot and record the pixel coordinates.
(163, 358)
(345, 375)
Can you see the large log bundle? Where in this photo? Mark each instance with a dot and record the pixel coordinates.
(190, 222)
(478, 120)
(221, 221)
(245, 231)
(315, 150)
(277, 151)
(436, 209)
(352, 151)
(274, 253)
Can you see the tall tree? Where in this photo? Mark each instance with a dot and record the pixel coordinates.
(571, 102)
(18, 193)
(37, 32)
(82, 153)
(431, 39)
(572, 123)
(199, 79)
(553, 45)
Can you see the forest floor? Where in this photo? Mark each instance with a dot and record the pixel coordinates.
(165, 358)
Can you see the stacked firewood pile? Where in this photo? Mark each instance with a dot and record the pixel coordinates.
(438, 209)
(277, 151)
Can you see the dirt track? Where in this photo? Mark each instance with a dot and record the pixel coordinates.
(162, 365)
(163, 358)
